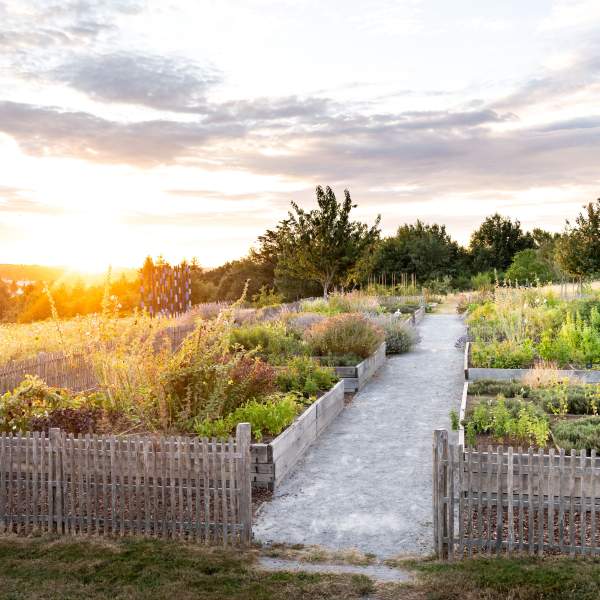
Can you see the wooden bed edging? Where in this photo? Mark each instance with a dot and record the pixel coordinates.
(272, 462)
(478, 373)
(355, 378)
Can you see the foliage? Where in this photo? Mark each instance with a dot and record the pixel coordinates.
(520, 327)
(578, 250)
(578, 434)
(400, 337)
(344, 334)
(33, 404)
(307, 376)
(454, 420)
(271, 341)
(322, 245)
(514, 419)
(428, 251)
(503, 355)
(269, 416)
(496, 241)
(527, 266)
(266, 297)
(336, 304)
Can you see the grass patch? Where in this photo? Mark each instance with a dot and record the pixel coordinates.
(46, 568)
(519, 578)
(318, 554)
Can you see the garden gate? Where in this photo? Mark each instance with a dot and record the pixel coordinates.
(498, 500)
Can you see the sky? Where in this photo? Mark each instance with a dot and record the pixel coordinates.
(184, 128)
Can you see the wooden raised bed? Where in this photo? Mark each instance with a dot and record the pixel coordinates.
(356, 377)
(272, 461)
(477, 373)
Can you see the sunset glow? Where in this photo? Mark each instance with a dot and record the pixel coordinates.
(130, 128)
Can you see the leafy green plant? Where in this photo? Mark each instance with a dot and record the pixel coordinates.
(305, 375)
(271, 341)
(344, 334)
(454, 420)
(515, 419)
(268, 417)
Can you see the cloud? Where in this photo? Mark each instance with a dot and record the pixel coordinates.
(155, 81)
(13, 200)
(48, 131)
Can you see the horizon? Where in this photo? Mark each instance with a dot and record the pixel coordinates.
(134, 128)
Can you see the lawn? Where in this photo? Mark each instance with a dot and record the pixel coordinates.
(49, 568)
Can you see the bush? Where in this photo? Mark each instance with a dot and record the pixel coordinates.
(344, 334)
(270, 416)
(400, 337)
(307, 376)
(298, 323)
(34, 406)
(579, 434)
(515, 419)
(503, 355)
(271, 341)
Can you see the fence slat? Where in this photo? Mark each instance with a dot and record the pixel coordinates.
(572, 506)
(509, 496)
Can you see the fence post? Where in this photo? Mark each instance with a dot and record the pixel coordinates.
(440, 493)
(242, 439)
(55, 436)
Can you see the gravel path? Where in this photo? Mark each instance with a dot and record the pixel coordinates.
(366, 482)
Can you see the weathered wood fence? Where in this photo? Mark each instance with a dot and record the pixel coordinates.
(122, 485)
(502, 500)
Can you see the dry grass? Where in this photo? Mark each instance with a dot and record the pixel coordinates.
(318, 554)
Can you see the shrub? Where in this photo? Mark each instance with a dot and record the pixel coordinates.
(400, 337)
(34, 406)
(579, 434)
(271, 341)
(515, 419)
(344, 334)
(298, 323)
(307, 376)
(502, 355)
(206, 379)
(270, 416)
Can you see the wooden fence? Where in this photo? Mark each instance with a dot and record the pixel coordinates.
(122, 485)
(76, 371)
(499, 501)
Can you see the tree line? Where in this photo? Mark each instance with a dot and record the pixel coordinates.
(313, 252)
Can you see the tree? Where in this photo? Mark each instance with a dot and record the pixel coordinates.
(322, 245)
(578, 250)
(425, 250)
(495, 243)
(528, 266)
(5, 301)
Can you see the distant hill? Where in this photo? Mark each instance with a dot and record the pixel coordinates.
(45, 273)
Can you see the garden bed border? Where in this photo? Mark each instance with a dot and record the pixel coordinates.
(272, 461)
(477, 373)
(356, 377)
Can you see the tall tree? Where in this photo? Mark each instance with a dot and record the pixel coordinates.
(578, 250)
(322, 245)
(496, 241)
(428, 251)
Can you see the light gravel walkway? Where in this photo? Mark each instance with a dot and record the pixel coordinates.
(366, 482)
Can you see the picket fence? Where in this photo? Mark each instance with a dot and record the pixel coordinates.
(127, 485)
(505, 501)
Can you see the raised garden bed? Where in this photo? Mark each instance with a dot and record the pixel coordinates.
(272, 461)
(356, 377)
(478, 373)
(558, 415)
